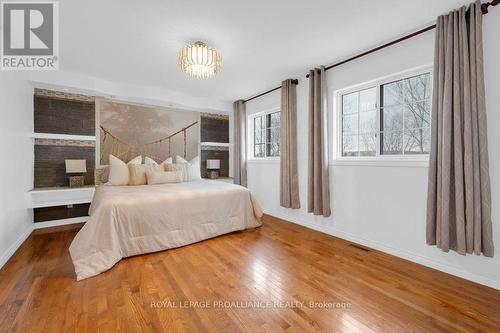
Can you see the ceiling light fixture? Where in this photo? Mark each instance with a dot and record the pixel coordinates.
(199, 60)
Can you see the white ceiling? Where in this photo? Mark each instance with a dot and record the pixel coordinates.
(262, 42)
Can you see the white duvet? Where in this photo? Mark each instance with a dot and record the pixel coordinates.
(130, 220)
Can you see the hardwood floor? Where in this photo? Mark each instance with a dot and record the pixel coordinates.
(250, 281)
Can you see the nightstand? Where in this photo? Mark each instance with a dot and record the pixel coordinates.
(55, 206)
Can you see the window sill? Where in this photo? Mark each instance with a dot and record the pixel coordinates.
(265, 160)
(378, 162)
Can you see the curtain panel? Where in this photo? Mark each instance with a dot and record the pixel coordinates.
(240, 146)
(459, 195)
(318, 185)
(289, 179)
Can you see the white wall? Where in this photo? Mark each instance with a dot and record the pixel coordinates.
(384, 206)
(16, 166)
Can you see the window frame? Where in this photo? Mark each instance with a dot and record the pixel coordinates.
(378, 159)
(250, 136)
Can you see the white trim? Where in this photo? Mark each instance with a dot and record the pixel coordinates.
(419, 259)
(215, 144)
(13, 248)
(264, 160)
(417, 160)
(63, 137)
(199, 139)
(56, 223)
(61, 189)
(51, 197)
(60, 203)
(97, 110)
(381, 163)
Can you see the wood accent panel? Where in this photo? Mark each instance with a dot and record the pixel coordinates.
(214, 129)
(64, 142)
(60, 212)
(50, 170)
(64, 95)
(222, 155)
(61, 116)
(281, 264)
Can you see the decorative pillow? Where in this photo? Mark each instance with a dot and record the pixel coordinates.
(164, 177)
(161, 166)
(148, 160)
(138, 173)
(101, 175)
(118, 170)
(113, 160)
(193, 170)
(182, 168)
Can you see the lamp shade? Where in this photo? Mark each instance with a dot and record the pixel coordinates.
(213, 164)
(76, 166)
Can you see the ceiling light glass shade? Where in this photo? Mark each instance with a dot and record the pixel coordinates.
(199, 60)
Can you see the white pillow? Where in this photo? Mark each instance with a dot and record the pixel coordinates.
(113, 160)
(161, 166)
(194, 172)
(118, 170)
(163, 177)
(180, 167)
(137, 173)
(148, 160)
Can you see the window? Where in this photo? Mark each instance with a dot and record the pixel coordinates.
(387, 118)
(266, 135)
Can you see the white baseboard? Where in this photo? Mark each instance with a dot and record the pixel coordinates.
(425, 261)
(13, 248)
(56, 223)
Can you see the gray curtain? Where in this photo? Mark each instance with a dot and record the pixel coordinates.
(289, 180)
(459, 199)
(318, 185)
(240, 148)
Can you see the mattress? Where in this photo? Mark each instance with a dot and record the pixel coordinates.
(131, 220)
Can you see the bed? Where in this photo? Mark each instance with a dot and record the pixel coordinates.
(131, 220)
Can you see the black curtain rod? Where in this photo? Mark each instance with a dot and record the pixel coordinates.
(484, 10)
(378, 48)
(295, 81)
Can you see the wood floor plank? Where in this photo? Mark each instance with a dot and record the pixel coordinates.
(277, 278)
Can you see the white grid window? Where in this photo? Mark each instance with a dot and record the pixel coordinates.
(266, 135)
(387, 118)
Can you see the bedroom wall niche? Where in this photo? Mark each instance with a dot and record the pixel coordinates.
(128, 130)
(64, 129)
(215, 142)
(63, 124)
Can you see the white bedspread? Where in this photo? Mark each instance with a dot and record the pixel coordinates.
(130, 220)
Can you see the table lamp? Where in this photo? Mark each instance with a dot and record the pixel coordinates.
(213, 167)
(76, 167)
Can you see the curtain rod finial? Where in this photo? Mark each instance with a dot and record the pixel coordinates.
(484, 6)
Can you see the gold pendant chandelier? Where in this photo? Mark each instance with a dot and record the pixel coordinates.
(199, 60)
